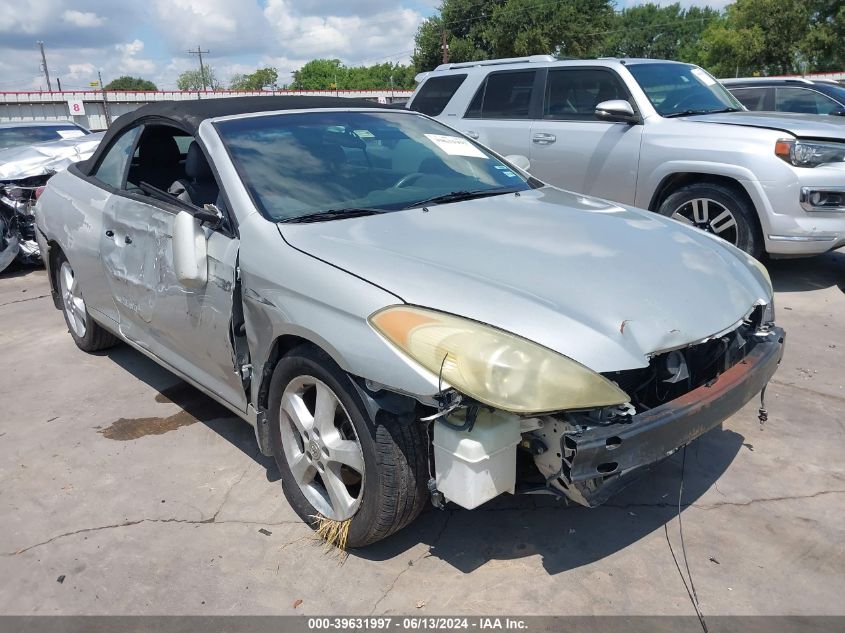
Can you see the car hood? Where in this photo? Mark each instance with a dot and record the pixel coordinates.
(801, 125)
(603, 284)
(45, 158)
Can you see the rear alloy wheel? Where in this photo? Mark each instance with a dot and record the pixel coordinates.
(88, 335)
(719, 210)
(339, 460)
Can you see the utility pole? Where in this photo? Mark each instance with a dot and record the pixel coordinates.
(44, 66)
(444, 46)
(199, 52)
(105, 101)
(59, 82)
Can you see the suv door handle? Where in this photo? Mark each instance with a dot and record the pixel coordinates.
(472, 135)
(127, 240)
(541, 138)
(109, 233)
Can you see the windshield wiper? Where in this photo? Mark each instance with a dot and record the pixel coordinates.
(459, 196)
(692, 112)
(332, 214)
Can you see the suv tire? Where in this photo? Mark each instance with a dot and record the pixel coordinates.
(718, 209)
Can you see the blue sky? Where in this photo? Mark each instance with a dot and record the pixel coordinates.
(150, 38)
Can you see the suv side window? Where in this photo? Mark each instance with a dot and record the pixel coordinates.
(755, 98)
(572, 94)
(503, 95)
(804, 100)
(436, 93)
(112, 169)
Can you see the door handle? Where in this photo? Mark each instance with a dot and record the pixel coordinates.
(541, 138)
(109, 233)
(127, 240)
(472, 135)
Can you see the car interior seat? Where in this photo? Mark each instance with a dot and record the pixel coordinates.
(199, 185)
(158, 159)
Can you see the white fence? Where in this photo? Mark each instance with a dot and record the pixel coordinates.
(42, 106)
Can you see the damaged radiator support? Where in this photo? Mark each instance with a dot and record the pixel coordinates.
(593, 457)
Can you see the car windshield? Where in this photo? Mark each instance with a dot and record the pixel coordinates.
(682, 89)
(29, 135)
(329, 164)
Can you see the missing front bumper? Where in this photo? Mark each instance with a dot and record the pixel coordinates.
(597, 462)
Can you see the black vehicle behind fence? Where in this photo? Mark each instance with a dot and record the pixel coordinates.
(805, 96)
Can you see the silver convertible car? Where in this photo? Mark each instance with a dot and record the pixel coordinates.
(400, 313)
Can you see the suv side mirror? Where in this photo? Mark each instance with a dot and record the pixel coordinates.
(519, 161)
(616, 111)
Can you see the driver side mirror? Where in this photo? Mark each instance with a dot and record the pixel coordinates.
(616, 111)
(519, 161)
(190, 254)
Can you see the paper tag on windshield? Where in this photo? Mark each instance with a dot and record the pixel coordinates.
(70, 133)
(455, 145)
(703, 77)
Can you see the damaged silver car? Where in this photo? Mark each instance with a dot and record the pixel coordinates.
(24, 170)
(400, 313)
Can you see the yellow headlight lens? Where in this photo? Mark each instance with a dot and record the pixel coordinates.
(492, 366)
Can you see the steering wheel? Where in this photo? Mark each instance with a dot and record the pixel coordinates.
(686, 102)
(408, 179)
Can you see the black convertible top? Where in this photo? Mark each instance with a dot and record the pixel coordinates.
(189, 114)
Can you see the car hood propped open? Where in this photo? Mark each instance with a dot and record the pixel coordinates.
(603, 284)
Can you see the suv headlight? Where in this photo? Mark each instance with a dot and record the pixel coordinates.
(492, 366)
(809, 153)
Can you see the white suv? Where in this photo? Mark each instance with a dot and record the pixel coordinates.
(660, 135)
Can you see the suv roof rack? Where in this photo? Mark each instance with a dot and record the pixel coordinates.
(530, 59)
(750, 80)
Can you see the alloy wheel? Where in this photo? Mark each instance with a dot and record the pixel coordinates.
(74, 304)
(322, 448)
(708, 215)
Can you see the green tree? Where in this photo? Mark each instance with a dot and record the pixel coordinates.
(758, 36)
(193, 80)
(130, 83)
(331, 74)
(484, 29)
(823, 48)
(259, 80)
(659, 32)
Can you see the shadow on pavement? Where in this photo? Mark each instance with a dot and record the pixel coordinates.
(511, 528)
(812, 273)
(194, 404)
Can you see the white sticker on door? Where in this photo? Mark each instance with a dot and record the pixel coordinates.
(455, 145)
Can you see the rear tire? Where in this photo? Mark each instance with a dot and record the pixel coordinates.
(718, 209)
(88, 335)
(391, 490)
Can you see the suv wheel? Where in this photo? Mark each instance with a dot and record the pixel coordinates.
(719, 210)
(336, 460)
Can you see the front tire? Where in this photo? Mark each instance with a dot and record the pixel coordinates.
(335, 459)
(88, 335)
(717, 209)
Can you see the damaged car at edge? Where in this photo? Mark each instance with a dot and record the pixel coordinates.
(399, 312)
(24, 170)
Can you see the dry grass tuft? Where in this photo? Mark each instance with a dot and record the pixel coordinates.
(334, 534)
